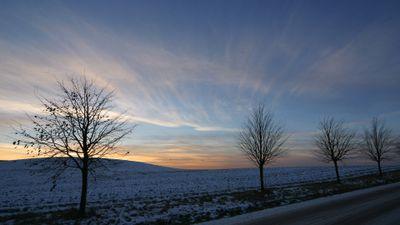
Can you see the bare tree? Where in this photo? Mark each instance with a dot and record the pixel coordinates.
(378, 142)
(76, 129)
(334, 141)
(261, 139)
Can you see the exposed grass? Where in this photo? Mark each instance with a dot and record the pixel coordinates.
(54, 217)
(273, 197)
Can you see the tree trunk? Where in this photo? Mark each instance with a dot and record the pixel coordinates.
(380, 168)
(337, 171)
(82, 206)
(261, 167)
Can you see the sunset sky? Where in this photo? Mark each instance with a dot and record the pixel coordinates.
(189, 72)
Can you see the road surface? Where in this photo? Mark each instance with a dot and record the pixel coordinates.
(373, 206)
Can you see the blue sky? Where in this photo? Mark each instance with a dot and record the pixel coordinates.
(188, 72)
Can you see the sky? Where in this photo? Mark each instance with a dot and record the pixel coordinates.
(189, 72)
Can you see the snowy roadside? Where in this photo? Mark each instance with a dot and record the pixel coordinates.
(202, 207)
(296, 206)
(21, 191)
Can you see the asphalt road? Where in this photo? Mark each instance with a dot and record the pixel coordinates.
(380, 207)
(377, 206)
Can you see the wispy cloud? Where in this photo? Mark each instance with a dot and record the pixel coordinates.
(203, 78)
(148, 81)
(361, 62)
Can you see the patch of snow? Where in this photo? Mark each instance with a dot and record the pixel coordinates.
(295, 206)
(136, 187)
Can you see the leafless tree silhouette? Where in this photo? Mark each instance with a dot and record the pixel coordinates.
(334, 141)
(261, 139)
(378, 142)
(76, 129)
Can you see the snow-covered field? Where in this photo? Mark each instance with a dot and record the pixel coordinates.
(20, 187)
(139, 183)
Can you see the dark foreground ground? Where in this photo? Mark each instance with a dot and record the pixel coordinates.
(375, 207)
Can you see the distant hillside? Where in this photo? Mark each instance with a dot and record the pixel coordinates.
(113, 165)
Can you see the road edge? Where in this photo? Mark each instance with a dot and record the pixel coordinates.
(295, 206)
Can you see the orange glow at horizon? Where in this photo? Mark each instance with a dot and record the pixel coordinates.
(174, 159)
(177, 158)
